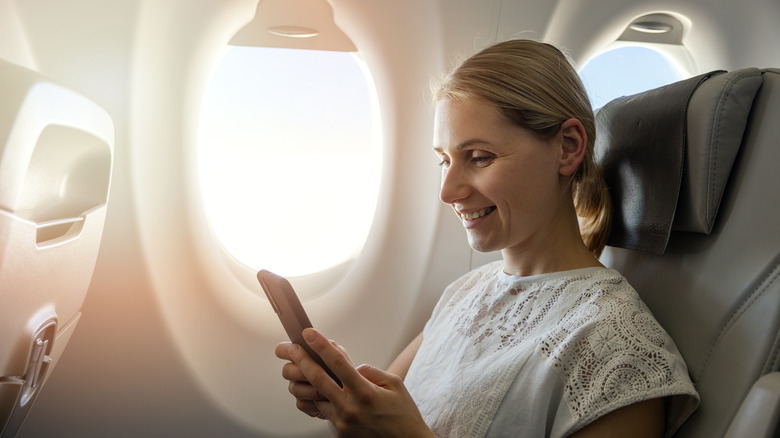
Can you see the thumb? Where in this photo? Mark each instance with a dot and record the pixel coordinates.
(377, 376)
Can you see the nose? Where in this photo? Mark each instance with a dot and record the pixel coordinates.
(454, 185)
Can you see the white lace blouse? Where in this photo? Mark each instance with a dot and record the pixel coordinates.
(542, 356)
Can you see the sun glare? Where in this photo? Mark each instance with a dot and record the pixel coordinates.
(289, 158)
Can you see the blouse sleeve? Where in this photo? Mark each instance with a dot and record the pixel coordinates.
(610, 352)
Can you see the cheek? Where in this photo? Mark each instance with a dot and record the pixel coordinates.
(529, 193)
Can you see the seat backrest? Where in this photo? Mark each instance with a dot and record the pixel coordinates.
(693, 173)
(56, 152)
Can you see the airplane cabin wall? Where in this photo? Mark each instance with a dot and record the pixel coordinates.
(14, 48)
(166, 347)
(130, 372)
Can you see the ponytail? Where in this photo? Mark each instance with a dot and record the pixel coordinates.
(593, 205)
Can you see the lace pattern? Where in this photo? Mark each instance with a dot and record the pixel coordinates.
(611, 352)
(589, 326)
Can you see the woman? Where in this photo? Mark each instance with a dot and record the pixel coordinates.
(545, 342)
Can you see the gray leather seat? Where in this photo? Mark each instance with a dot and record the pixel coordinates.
(694, 172)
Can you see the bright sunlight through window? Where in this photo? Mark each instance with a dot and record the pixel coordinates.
(289, 157)
(624, 71)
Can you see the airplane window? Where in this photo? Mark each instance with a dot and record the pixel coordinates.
(289, 157)
(627, 70)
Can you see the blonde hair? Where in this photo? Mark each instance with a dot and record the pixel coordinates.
(536, 87)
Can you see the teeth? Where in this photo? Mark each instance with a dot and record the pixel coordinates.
(476, 214)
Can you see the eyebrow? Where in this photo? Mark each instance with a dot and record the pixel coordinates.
(460, 146)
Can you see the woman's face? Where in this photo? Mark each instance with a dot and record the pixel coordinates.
(502, 181)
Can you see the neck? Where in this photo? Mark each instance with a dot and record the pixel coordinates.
(564, 261)
(559, 248)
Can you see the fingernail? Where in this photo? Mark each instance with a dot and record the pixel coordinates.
(309, 335)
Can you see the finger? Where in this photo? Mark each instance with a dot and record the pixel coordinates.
(291, 371)
(342, 350)
(379, 377)
(337, 361)
(282, 350)
(309, 408)
(304, 391)
(313, 372)
(326, 409)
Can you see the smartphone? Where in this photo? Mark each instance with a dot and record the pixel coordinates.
(290, 312)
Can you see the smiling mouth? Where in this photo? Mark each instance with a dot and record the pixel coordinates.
(476, 214)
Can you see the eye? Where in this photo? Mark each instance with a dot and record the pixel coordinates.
(444, 160)
(482, 158)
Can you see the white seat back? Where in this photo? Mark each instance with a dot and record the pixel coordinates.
(56, 151)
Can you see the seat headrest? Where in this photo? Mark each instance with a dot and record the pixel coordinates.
(667, 154)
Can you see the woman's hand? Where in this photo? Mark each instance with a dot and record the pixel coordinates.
(371, 403)
(305, 394)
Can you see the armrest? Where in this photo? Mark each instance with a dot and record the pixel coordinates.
(760, 410)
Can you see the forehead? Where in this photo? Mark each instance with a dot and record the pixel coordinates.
(458, 121)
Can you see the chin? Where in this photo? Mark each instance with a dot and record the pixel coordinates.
(482, 246)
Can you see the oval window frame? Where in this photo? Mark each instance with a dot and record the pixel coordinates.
(315, 283)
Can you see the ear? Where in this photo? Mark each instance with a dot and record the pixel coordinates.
(574, 143)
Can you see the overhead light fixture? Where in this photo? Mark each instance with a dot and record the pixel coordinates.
(660, 28)
(651, 27)
(294, 24)
(293, 31)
